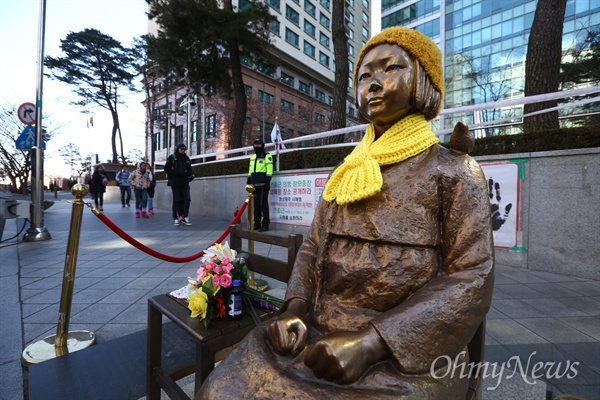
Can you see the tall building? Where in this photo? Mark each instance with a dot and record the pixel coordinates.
(484, 45)
(298, 91)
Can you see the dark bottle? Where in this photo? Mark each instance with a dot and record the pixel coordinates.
(235, 300)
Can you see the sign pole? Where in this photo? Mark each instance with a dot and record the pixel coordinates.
(38, 232)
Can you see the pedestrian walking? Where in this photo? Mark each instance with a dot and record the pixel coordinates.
(140, 180)
(259, 175)
(151, 194)
(179, 175)
(98, 182)
(123, 181)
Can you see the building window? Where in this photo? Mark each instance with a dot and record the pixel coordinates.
(264, 69)
(365, 17)
(166, 139)
(287, 79)
(292, 15)
(324, 40)
(274, 4)
(210, 122)
(244, 5)
(350, 3)
(350, 33)
(319, 95)
(309, 49)
(157, 114)
(365, 32)
(195, 131)
(351, 111)
(324, 20)
(286, 106)
(303, 113)
(274, 27)
(157, 141)
(310, 8)
(319, 117)
(247, 61)
(265, 97)
(303, 87)
(366, 4)
(350, 17)
(350, 49)
(247, 135)
(309, 28)
(248, 90)
(326, 4)
(291, 37)
(351, 66)
(324, 59)
(330, 100)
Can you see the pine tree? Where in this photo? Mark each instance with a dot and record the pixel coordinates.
(200, 45)
(97, 66)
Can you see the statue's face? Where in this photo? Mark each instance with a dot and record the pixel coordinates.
(385, 86)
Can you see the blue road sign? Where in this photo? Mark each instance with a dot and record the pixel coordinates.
(26, 139)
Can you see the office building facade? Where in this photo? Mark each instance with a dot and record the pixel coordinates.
(484, 45)
(298, 91)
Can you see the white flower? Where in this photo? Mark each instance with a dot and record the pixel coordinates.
(220, 251)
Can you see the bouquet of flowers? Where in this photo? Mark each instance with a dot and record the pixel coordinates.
(219, 266)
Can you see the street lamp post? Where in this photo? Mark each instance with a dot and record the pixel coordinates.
(37, 231)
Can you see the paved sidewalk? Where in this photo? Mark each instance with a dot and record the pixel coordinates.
(555, 316)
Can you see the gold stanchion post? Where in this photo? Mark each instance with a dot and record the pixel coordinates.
(258, 284)
(64, 341)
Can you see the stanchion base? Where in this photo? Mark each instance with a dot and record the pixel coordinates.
(261, 285)
(37, 235)
(44, 349)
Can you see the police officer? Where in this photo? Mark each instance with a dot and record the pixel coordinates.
(259, 174)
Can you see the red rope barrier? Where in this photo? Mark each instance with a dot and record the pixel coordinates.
(162, 256)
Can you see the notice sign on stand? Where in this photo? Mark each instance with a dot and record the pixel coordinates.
(293, 198)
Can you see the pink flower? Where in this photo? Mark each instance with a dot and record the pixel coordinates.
(217, 269)
(216, 280)
(225, 260)
(209, 267)
(201, 273)
(225, 280)
(227, 268)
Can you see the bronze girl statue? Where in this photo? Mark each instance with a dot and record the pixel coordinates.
(397, 270)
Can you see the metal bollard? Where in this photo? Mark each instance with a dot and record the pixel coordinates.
(250, 200)
(64, 342)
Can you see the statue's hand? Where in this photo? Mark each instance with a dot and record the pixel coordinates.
(342, 357)
(288, 333)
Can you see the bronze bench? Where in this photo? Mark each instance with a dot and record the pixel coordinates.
(221, 333)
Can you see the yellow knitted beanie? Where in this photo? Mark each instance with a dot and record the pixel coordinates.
(417, 45)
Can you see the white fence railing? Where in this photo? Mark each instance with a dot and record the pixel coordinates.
(512, 120)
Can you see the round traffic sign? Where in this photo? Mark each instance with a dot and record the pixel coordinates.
(26, 113)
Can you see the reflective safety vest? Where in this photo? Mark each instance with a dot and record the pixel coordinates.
(261, 169)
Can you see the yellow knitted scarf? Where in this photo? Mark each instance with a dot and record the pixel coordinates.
(359, 177)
